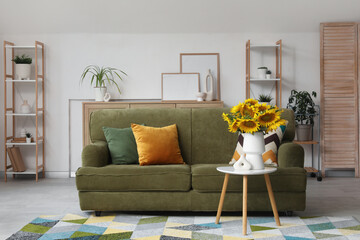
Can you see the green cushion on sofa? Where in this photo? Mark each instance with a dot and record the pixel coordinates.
(122, 145)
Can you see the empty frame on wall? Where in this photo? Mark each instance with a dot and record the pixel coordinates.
(201, 63)
(179, 86)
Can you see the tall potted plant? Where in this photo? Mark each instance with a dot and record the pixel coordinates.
(101, 77)
(304, 108)
(22, 67)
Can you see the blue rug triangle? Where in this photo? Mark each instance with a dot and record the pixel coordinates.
(296, 238)
(42, 220)
(260, 220)
(212, 225)
(60, 235)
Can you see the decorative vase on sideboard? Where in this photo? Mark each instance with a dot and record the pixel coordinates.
(254, 147)
(99, 93)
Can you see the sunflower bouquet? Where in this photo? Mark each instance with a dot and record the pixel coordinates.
(251, 117)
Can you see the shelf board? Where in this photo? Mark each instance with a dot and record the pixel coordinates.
(311, 170)
(22, 81)
(263, 79)
(23, 47)
(23, 144)
(23, 114)
(263, 45)
(27, 171)
(305, 142)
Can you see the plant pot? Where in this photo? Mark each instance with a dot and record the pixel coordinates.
(268, 103)
(268, 76)
(261, 73)
(28, 140)
(254, 147)
(303, 132)
(23, 71)
(99, 93)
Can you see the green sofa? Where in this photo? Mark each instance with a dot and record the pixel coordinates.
(195, 186)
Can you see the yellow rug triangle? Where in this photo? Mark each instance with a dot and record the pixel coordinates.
(149, 238)
(72, 217)
(348, 231)
(177, 233)
(235, 238)
(100, 219)
(111, 231)
(229, 218)
(119, 224)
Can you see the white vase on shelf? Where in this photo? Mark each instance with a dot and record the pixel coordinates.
(25, 107)
(23, 71)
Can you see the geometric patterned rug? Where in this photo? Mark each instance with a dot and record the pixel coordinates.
(132, 226)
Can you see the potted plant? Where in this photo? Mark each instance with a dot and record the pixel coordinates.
(22, 67)
(304, 108)
(28, 137)
(100, 78)
(262, 72)
(263, 98)
(268, 74)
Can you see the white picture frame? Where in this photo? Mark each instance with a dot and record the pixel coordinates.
(201, 63)
(179, 86)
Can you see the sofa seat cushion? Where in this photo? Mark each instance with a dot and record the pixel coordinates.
(205, 178)
(174, 177)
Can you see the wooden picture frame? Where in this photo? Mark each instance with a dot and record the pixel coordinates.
(179, 86)
(201, 62)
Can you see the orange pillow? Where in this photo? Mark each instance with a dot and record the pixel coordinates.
(157, 145)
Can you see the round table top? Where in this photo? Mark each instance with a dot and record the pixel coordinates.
(231, 170)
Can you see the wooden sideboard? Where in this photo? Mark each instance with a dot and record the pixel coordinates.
(89, 107)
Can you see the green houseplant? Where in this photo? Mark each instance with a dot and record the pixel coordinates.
(101, 78)
(22, 67)
(263, 98)
(302, 104)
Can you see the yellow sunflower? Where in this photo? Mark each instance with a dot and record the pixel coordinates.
(249, 111)
(248, 125)
(277, 124)
(263, 107)
(251, 101)
(226, 118)
(233, 127)
(236, 109)
(268, 118)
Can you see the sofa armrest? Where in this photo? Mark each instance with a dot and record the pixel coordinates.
(95, 155)
(291, 155)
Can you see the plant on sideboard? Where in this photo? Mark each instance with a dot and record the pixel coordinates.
(301, 102)
(101, 77)
(22, 66)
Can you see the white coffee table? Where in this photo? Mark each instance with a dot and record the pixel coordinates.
(245, 174)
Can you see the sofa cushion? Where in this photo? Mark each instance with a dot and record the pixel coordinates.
(205, 178)
(174, 177)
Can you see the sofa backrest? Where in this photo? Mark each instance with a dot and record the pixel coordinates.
(155, 117)
(211, 140)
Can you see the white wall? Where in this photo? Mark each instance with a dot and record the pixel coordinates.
(144, 57)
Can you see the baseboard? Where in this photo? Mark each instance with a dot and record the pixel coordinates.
(50, 174)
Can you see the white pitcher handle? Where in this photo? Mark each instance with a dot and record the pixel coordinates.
(107, 97)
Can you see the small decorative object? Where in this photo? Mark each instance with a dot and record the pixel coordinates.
(107, 97)
(209, 92)
(304, 108)
(22, 67)
(25, 107)
(23, 132)
(200, 96)
(179, 86)
(253, 120)
(262, 72)
(28, 137)
(242, 164)
(103, 76)
(268, 74)
(263, 98)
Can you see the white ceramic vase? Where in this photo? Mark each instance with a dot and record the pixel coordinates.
(99, 93)
(23, 71)
(28, 140)
(25, 107)
(209, 92)
(254, 147)
(268, 76)
(262, 73)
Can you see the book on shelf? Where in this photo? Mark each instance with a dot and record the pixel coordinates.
(16, 159)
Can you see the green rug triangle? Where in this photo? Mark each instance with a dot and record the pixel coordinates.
(324, 235)
(78, 221)
(255, 228)
(116, 236)
(152, 220)
(35, 228)
(82, 234)
(357, 227)
(309, 217)
(201, 236)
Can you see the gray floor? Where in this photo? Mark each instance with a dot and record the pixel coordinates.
(22, 200)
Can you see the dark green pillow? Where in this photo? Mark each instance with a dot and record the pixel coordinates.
(122, 145)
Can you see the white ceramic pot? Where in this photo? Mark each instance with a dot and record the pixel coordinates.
(262, 73)
(25, 107)
(268, 76)
(99, 93)
(28, 140)
(254, 147)
(23, 71)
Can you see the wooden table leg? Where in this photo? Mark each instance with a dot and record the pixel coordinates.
(244, 219)
(222, 197)
(272, 199)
